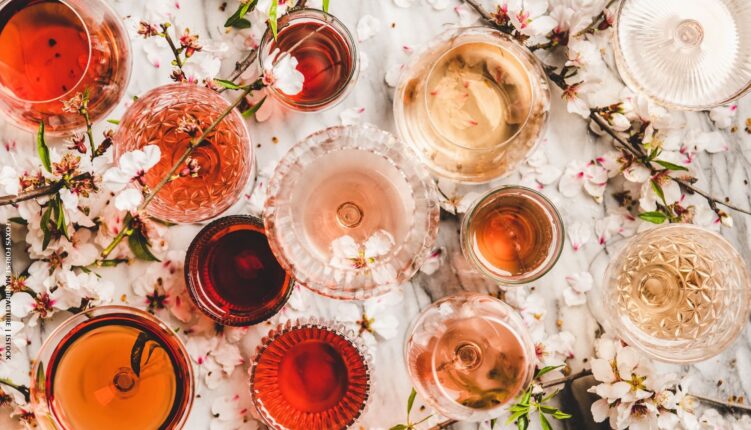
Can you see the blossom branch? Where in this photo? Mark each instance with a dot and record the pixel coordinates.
(41, 191)
(596, 21)
(173, 47)
(20, 388)
(127, 227)
(242, 66)
(717, 402)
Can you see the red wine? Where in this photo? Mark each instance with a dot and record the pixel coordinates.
(233, 275)
(309, 377)
(324, 59)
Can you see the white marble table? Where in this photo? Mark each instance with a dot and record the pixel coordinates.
(567, 139)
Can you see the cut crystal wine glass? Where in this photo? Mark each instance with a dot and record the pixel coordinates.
(680, 293)
(687, 54)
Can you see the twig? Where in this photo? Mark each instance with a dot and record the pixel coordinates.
(481, 10)
(443, 425)
(89, 131)
(177, 165)
(727, 405)
(20, 388)
(175, 51)
(242, 66)
(39, 192)
(595, 21)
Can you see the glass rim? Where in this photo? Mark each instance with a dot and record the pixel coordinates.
(651, 348)
(450, 36)
(194, 286)
(334, 327)
(51, 343)
(624, 71)
(554, 252)
(326, 19)
(85, 27)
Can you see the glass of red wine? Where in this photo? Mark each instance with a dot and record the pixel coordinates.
(326, 53)
(232, 275)
(53, 50)
(310, 375)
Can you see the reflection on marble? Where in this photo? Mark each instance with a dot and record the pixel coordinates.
(567, 139)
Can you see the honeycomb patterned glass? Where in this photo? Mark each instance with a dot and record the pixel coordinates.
(162, 117)
(680, 293)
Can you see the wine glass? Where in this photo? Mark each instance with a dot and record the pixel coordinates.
(310, 374)
(225, 159)
(112, 367)
(326, 54)
(469, 355)
(512, 235)
(350, 213)
(52, 50)
(685, 54)
(473, 105)
(232, 275)
(680, 293)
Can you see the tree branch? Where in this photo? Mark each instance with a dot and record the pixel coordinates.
(39, 192)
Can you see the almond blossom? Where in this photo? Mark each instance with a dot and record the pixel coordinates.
(347, 254)
(280, 72)
(579, 284)
(231, 413)
(375, 320)
(367, 27)
(591, 176)
(579, 233)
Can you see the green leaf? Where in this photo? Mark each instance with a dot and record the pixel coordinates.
(545, 423)
(545, 370)
(253, 109)
(326, 9)
(272, 16)
(114, 121)
(411, 401)
(548, 409)
(655, 217)
(227, 84)
(44, 224)
(516, 415)
(522, 423)
(670, 166)
(139, 245)
(18, 220)
(42, 149)
(560, 415)
(492, 423)
(658, 190)
(525, 398)
(241, 24)
(62, 226)
(240, 13)
(399, 427)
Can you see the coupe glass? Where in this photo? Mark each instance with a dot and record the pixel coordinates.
(512, 235)
(686, 54)
(326, 53)
(232, 275)
(225, 159)
(350, 213)
(469, 355)
(112, 367)
(310, 375)
(51, 50)
(679, 293)
(474, 104)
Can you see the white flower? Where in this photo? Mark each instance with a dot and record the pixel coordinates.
(578, 285)
(556, 349)
(528, 16)
(723, 116)
(129, 199)
(203, 66)
(9, 183)
(670, 190)
(710, 141)
(537, 172)
(579, 233)
(375, 320)
(280, 72)
(215, 358)
(591, 176)
(352, 116)
(347, 254)
(367, 27)
(433, 262)
(132, 166)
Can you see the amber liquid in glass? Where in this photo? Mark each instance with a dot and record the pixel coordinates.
(323, 58)
(44, 49)
(239, 272)
(92, 384)
(512, 234)
(478, 362)
(312, 378)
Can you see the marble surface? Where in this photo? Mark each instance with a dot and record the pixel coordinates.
(567, 138)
